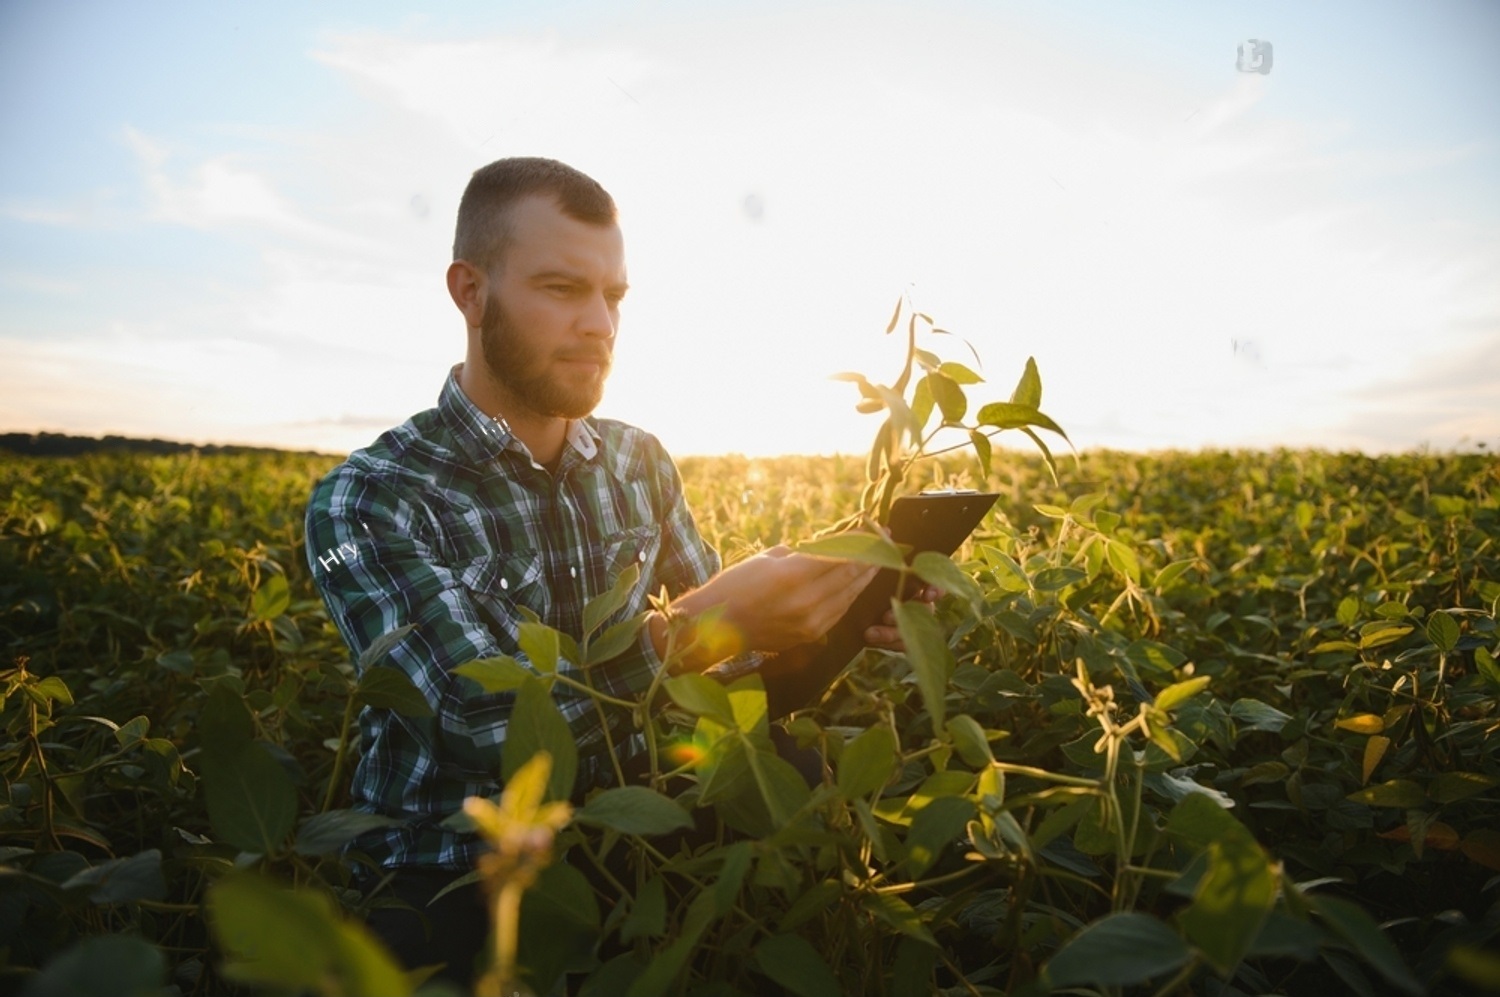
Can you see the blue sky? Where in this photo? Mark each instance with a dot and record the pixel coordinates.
(230, 224)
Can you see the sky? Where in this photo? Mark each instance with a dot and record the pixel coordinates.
(230, 223)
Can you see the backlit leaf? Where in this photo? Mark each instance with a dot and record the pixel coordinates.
(499, 674)
(1174, 696)
(1442, 631)
(1363, 723)
(1395, 793)
(272, 598)
(1028, 391)
(536, 725)
(1375, 749)
(602, 607)
(867, 762)
(927, 650)
(866, 548)
(386, 687)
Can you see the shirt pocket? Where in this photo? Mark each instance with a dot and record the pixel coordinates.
(500, 584)
(639, 546)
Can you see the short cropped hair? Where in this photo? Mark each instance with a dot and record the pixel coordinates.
(484, 212)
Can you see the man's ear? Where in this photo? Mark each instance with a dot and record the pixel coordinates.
(468, 286)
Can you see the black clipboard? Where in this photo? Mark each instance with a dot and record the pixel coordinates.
(935, 521)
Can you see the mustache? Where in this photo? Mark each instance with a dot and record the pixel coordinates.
(601, 357)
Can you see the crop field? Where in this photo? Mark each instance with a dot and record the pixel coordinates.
(1217, 723)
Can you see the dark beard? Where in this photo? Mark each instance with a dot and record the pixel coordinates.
(523, 370)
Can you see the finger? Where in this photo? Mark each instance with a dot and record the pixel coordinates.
(888, 638)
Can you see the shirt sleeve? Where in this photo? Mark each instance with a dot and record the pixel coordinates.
(391, 574)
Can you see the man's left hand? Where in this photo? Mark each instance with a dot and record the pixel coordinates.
(885, 636)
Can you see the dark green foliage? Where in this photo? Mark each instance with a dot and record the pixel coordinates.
(1051, 791)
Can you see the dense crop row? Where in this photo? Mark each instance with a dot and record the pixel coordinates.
(1200, 718)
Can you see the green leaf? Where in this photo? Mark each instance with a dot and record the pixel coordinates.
(937, 570)
(927, 650)
(970, 740)
(326, 833)
(498, 674)
(1442, 631)
(895, 317)
(701, 696)
(1232, 900)
(1351, 923)
(616, 639)
(1450, 787)
(949, 397)
(634, 810)
(933, 828)
(1169, 574)
(982, 449)
(732, 876)
(792, 962)
(1487, 666)
(272, 598)
(1007, 415)
(1028, 391)
(381, 646)
(898, 914)
(137, 877)
(866, 548)
(274, 937)
(102, 966)
(1198, 821)
(53, 689)
(1117, 950)
(252, 803)
(648, 912)
(386, 687)
(781, 786)
(536, 725)
(602, 607)
(224, 722)
(1122, 559)
(867, 762)
(959, 374)
(1174, 696)
(541, 645)
(1348, 610)
(662, 970)
(1396, 793)
(1252, 714)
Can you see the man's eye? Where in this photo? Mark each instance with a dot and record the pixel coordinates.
(560, 288)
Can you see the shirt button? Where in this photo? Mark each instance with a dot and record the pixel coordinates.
(505, 583)
(573, 571)
(641, 557)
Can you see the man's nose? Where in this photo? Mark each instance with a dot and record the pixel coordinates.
(599, 319)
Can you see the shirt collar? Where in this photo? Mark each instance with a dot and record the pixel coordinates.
(484, 439)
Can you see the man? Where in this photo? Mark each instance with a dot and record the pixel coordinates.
(509, 496)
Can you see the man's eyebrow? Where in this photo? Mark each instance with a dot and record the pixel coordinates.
(574, 278)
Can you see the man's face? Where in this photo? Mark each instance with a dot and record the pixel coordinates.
(552, 310)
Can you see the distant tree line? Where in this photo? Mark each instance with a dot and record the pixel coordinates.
(64, 445)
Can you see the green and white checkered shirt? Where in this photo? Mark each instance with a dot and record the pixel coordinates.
(447, 522)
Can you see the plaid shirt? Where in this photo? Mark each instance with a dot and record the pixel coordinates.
(447, 522)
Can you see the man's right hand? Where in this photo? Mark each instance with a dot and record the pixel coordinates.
(772, 601)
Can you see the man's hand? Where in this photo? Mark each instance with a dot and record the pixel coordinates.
(772, 601)
(885, 635)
